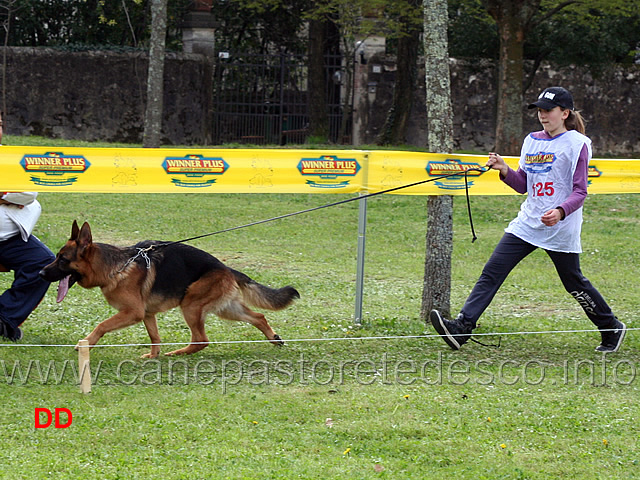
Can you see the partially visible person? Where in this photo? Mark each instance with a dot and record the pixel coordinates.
(25, 255)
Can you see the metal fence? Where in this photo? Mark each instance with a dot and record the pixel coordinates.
(262, 99)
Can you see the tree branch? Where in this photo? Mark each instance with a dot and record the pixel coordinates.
(534, 22)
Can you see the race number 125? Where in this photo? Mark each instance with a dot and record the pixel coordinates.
(541, 189)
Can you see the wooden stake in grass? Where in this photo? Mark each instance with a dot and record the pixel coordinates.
(84, 366)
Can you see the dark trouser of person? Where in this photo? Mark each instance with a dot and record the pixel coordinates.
(507, 254)
(25, 259)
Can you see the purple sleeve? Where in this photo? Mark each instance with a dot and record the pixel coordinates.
(516, 180)
(579, 193)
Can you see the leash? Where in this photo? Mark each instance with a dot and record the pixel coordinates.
(142, 252)
(340, 202)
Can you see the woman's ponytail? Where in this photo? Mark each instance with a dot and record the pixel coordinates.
(575, 122)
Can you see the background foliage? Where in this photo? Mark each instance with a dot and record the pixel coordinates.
(582, 33)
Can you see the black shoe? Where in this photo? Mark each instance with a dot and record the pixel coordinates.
(612, 339)
(4, 329)
(454, 332)
(12, 333)
(18, 335)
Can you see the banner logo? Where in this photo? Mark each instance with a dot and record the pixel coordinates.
(194, 171)
(54, 169)
(540, 162)
(592, 172)
(456, 169)
(329, 171)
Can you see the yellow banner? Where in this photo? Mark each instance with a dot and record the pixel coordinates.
(388, 169)
(168, 170)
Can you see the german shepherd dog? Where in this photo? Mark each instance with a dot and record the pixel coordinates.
(151, 277)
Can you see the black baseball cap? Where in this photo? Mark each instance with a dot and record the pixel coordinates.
(553, 97)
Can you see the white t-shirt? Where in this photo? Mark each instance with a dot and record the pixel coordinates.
(14, 220)
(550, 164)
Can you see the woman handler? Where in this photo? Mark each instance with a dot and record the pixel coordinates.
(553, 172)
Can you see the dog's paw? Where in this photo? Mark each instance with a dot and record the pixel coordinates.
(277, 341)
(149, 355)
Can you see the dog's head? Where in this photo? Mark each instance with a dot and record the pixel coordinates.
(70, 264)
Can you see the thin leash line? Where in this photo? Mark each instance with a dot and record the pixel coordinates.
(340, 202)
(310, 340)
(142, 252)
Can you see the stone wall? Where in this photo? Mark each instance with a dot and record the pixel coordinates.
(100, 96)
(609, 101)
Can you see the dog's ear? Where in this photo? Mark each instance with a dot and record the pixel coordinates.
(75, 230)
(84, 238)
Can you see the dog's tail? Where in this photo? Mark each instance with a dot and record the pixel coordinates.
(262, 296)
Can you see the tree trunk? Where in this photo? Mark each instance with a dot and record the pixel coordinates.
(512, 19)
(436, 289)
(394, 130)
(8, 8)
(439, 240)
(318, 118)
(155, 77)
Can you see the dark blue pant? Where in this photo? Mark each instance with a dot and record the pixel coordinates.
(507, 254)
(25, 259)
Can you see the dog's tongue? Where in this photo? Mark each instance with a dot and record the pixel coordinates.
(63, 288)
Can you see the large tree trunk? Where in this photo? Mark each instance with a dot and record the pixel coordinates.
(317, 101)
(436, 291)
(439, 240)
(155, 77)
(512, 19)
(394, 130)
(7, 29)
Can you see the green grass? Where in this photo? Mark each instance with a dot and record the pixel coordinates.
(540, 406)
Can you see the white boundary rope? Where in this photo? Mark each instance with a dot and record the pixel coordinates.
(84, 363)
(302, 340)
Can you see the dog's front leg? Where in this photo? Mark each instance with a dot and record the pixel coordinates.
(152, 329)
(122, 319)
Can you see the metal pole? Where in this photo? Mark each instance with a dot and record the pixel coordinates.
(362, 233)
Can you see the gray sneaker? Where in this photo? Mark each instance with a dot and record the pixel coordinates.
(612, 339)
(454, 332)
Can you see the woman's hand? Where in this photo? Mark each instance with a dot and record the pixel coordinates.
(552, 217)
(497, 163)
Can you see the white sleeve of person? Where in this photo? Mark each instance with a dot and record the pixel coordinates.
(20, 198)
(25, 218)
